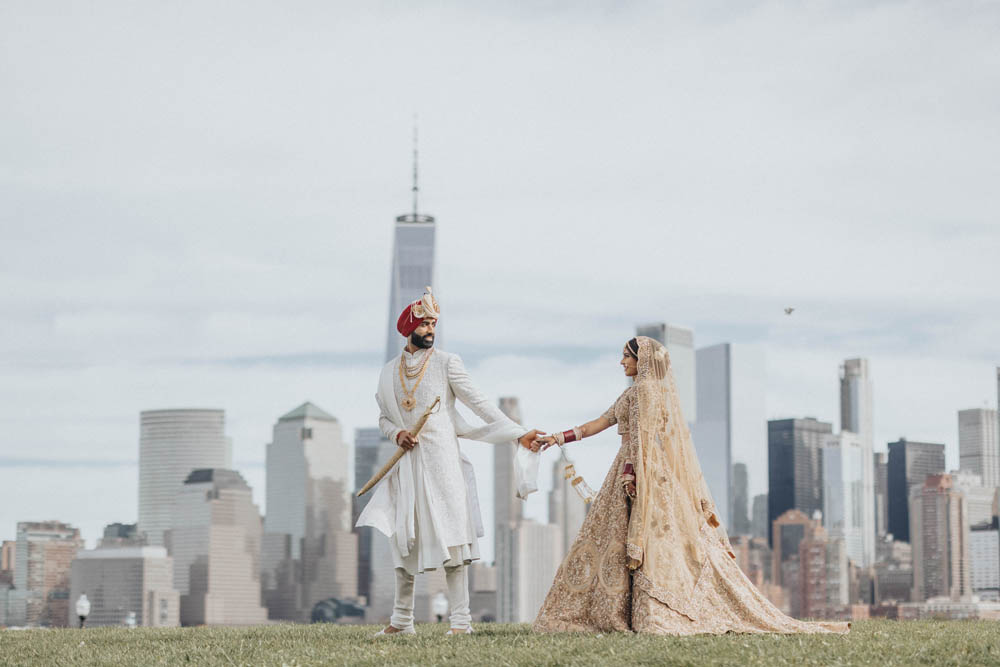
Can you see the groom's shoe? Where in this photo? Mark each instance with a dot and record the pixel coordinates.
(467, 630)
(393, 631)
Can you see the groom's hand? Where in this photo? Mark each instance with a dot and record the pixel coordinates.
(528, 439)
(406, 440)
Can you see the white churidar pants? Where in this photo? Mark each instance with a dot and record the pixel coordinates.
(458, 595)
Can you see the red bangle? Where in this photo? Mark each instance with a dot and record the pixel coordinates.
(569, 436)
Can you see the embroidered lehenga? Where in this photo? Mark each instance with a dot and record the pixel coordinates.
(657, 562)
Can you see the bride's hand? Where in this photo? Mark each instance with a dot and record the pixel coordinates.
(546, 442)
(530, 439)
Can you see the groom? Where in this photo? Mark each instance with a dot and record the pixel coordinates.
(427, 505)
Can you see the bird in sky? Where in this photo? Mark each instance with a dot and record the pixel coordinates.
(789, 311)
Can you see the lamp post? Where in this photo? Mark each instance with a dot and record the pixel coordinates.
(82, 608)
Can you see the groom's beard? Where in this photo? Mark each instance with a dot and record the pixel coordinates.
(423, 342)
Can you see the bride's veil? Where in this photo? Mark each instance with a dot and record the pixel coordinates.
(673, 521)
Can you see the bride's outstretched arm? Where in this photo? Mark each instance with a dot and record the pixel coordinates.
(592, 427)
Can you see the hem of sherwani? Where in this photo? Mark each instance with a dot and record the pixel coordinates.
(429, 549)
(415, 563)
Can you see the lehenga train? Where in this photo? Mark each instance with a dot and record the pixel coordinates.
(657, 562)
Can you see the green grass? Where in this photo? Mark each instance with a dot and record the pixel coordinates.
(869, 643)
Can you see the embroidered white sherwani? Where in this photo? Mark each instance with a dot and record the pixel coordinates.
(428, 505)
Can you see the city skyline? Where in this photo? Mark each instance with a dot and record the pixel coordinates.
(151, 268)
(825, 468)
(535, 508)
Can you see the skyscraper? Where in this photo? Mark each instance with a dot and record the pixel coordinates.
(366, 458)
(121, 535)
(984, 563)
(412, 264)
(730, 435)
(6, 585)
(843, 459)
(759, 525)
(978, 445)
(679, 342)
(507, 506)
(754, 558)
(309, 501)
(856, 399)
(856, 409)
(8, 549)
(980, 500)
(45, 551)
(506, 517)
(893, 572)
(823, 576)
(536, 559)
(939, 528)
(124, 580)
(483, 592)
(787, 532)
(172, 443)
(527, 552)
(909, 465)
(794, 465)
(881, 494)
(215, 543)
(739, 515)
(371, 450)
(8, 556)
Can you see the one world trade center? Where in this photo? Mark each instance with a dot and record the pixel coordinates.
(412, 265)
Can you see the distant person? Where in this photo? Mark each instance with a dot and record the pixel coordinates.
(427, 504)
(82, 608)
(651, 556)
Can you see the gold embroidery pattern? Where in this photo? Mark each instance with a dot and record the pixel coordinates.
(579, 567)
(612, 573)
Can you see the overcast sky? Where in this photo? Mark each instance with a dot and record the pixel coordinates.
(197, 201)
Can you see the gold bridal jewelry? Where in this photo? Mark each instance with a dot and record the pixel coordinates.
(414, 371)
(576, 481)
(409, 402)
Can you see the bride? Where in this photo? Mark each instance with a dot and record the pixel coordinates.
(651, 556)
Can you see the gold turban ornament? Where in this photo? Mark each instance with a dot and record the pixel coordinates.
(427, 307)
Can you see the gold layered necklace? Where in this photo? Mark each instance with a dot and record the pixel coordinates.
(409, 402)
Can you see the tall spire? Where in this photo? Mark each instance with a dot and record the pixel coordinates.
(414, 216)
(416, 186)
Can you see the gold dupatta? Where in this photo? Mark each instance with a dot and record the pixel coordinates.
(672, 522)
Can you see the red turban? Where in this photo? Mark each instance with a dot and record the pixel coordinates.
(414, 314)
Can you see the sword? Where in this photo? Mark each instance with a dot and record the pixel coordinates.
(399, 453)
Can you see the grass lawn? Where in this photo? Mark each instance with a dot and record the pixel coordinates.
(869, 643)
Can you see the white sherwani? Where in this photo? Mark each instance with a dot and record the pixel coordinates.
(428, 505)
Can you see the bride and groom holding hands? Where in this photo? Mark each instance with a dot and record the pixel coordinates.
(650, 557)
